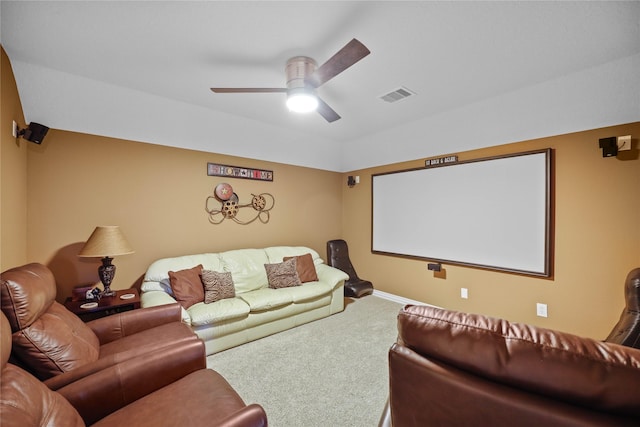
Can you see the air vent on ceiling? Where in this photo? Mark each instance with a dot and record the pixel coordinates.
(397, 94)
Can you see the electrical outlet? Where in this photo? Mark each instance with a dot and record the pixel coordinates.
(541, 309)
(464, 293)
(14, 131)
(624, 143)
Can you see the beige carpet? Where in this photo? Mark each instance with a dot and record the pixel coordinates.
(331, 372)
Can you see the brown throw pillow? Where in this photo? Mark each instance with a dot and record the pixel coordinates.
(217, 286)
(305, 267)
(187, 286)
(283, 274)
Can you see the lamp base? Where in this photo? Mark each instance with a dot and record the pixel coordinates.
(108, 293)
(106, 272)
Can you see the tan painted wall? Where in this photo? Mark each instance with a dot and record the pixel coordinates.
(157, 196)
(597, 241)
(13, 173)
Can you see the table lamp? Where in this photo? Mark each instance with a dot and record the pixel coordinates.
(106, 242)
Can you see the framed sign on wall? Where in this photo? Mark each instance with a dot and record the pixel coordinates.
(215, 169)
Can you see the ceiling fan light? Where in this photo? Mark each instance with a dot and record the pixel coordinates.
(302, 102)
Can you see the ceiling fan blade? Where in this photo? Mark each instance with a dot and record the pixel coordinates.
(351, 53)
(249, 89)
(327, 112)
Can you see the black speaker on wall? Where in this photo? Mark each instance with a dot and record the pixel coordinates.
(609, 146)
(35, 132)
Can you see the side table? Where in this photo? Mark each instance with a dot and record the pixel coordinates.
(106, 305)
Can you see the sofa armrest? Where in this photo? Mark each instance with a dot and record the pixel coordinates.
(104, 392)
(154, 298)
(331, 275)
(250, 416)
(120, 325)
(61, 380)
(58, 381)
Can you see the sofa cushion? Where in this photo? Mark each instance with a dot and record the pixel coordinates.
(305, 267)
(26, 293)
(282, 274)
(308, 291)
(225, 309)
(217, 285)
(277, 253)
(267, 298)
(247, 268)
(163, 285)
(58, 341)
(187, 286)
(159, 269)
(47, 338)
(25, 401)
(580, 370)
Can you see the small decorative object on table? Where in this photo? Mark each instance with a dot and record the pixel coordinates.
(93, 294)
(80, 292)
(122, 300)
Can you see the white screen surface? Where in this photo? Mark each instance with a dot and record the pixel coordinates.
(491, 213)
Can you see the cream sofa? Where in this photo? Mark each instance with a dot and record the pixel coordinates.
(257, 310)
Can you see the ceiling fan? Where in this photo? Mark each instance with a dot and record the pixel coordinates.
(304, 77)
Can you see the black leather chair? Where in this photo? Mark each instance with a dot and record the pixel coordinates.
(627, 330)
(338, 255)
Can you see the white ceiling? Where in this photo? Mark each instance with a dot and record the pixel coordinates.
(485, 73)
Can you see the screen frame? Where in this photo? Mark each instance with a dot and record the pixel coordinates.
(543, 268)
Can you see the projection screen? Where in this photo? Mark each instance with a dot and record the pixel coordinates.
(492, 213)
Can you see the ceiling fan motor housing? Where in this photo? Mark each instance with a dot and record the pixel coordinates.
(297, 69)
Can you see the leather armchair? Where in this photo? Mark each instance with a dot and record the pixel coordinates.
(457, 369)
(338, 255)
(627, 330)
(57, 347)
(162, 393)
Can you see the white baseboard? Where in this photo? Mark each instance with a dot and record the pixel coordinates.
(398, 299)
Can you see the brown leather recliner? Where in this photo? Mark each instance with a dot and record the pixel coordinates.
(627, 330)
(162, 393)
(338, 255)
(58, 348)
(457, 369)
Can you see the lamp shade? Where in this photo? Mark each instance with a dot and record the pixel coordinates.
(106, 241)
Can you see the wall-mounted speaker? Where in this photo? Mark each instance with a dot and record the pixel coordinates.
(35, 132)
(434, 266)
(609, 146)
